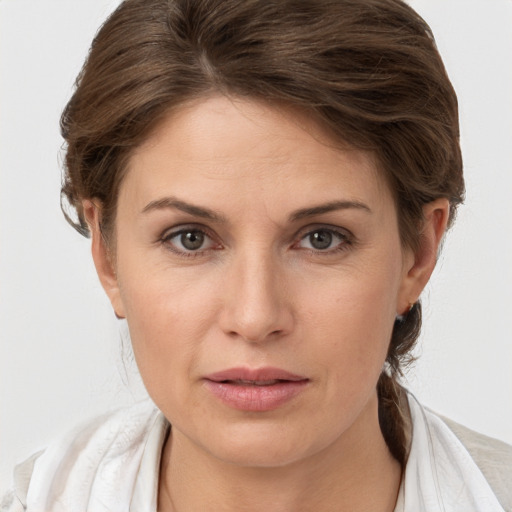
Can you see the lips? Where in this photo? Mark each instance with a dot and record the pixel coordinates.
(255, 390)
(241, 382)
(258, 375)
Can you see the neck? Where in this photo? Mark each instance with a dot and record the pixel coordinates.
(355, 473)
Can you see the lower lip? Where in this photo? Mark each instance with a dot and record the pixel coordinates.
(256, 398)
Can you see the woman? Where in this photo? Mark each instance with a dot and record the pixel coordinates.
(266, 187)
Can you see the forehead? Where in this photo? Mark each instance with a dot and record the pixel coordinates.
(248, 151)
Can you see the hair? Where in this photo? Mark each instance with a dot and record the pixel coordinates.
(368, 71)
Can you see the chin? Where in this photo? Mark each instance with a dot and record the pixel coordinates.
(263, 445)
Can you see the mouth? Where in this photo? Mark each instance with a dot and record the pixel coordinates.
(242, 382)
(263, 376)
(259, 390)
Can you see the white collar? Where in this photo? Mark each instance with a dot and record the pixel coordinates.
(109, 465)
(440, 475)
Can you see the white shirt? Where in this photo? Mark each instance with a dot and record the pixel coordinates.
(112, 465)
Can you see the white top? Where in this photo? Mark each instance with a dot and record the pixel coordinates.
(441, 475)
(112, 465)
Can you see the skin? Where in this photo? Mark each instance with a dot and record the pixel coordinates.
(259, 292)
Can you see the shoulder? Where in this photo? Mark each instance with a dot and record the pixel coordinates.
(107, 449)
(493, 457)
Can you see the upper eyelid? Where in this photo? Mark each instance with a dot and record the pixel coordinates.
(176, 230)
(323, 227)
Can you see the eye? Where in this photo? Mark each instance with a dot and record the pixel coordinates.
(323, 239)
(188, 240)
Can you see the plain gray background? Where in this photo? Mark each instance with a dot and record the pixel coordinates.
(60, 356)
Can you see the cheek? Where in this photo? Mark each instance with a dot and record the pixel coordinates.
(352, 316)
(168, 315)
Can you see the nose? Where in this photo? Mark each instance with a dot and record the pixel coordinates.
(256, 304)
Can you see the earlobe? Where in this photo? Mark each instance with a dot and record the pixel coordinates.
(102, 256)
(421, 263)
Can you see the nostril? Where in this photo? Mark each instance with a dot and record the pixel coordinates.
(255, 339)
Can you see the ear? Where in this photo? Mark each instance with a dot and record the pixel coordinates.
(420, 263)
(102, 256)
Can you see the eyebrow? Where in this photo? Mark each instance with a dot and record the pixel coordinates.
(328, 207)
(206, 213)
(177, 204)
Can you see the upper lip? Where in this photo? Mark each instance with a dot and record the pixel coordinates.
(255, 375)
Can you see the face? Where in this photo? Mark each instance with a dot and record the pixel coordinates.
(260, 271)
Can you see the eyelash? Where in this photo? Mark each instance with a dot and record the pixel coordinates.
(346, 240)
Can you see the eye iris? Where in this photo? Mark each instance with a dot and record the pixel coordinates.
(320, 239)
(192, 240)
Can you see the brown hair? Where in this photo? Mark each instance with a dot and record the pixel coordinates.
(367, 70)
